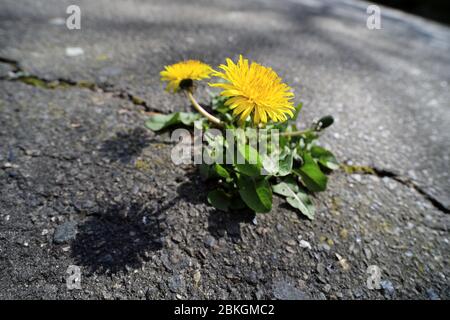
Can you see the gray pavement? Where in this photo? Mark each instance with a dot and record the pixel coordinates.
(82, 183)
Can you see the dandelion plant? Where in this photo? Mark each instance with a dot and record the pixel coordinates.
(250, 144)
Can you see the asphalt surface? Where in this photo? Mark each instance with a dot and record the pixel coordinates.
(83, 183)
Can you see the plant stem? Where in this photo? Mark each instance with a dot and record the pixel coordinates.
(202, 111)
(295, 133)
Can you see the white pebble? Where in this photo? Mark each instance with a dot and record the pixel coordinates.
(305, 244)
(74, 51)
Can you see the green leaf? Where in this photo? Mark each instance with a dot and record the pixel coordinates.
(219, 199)
(270, 165)
(202, 124)
(286, 187)
(256, 193)
(276, 164)
(237, 203)
(303, 203)
(221, 171)
(311, 175)
(296, 197)
(285, 163)
(188, 118)
(252, 161)
(324, 157)
(161, 121)
(214, 148)
(218, 104)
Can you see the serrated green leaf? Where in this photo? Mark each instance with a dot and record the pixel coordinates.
(303, 203)
(296, 197)
(256, 193)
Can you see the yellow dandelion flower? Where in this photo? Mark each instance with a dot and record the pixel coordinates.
(182, 74)
(255, 89)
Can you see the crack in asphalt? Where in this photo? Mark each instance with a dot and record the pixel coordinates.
(60, 83)
(406, 181)
(410, 183)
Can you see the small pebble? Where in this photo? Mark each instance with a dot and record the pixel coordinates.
(74, 51)
(197, 277)
(210, 241)
(305, 244)
(290, 249)
(367, 253)
(387, 287)
(324, 247)
(432, 295)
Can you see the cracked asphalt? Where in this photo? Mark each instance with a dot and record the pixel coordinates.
(83, 183)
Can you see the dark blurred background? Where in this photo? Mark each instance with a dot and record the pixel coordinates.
(438, 10)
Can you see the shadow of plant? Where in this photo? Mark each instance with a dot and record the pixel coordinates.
(125, 146)
(119, 238)
(228, 224)
(220, 224)
(194, 189)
